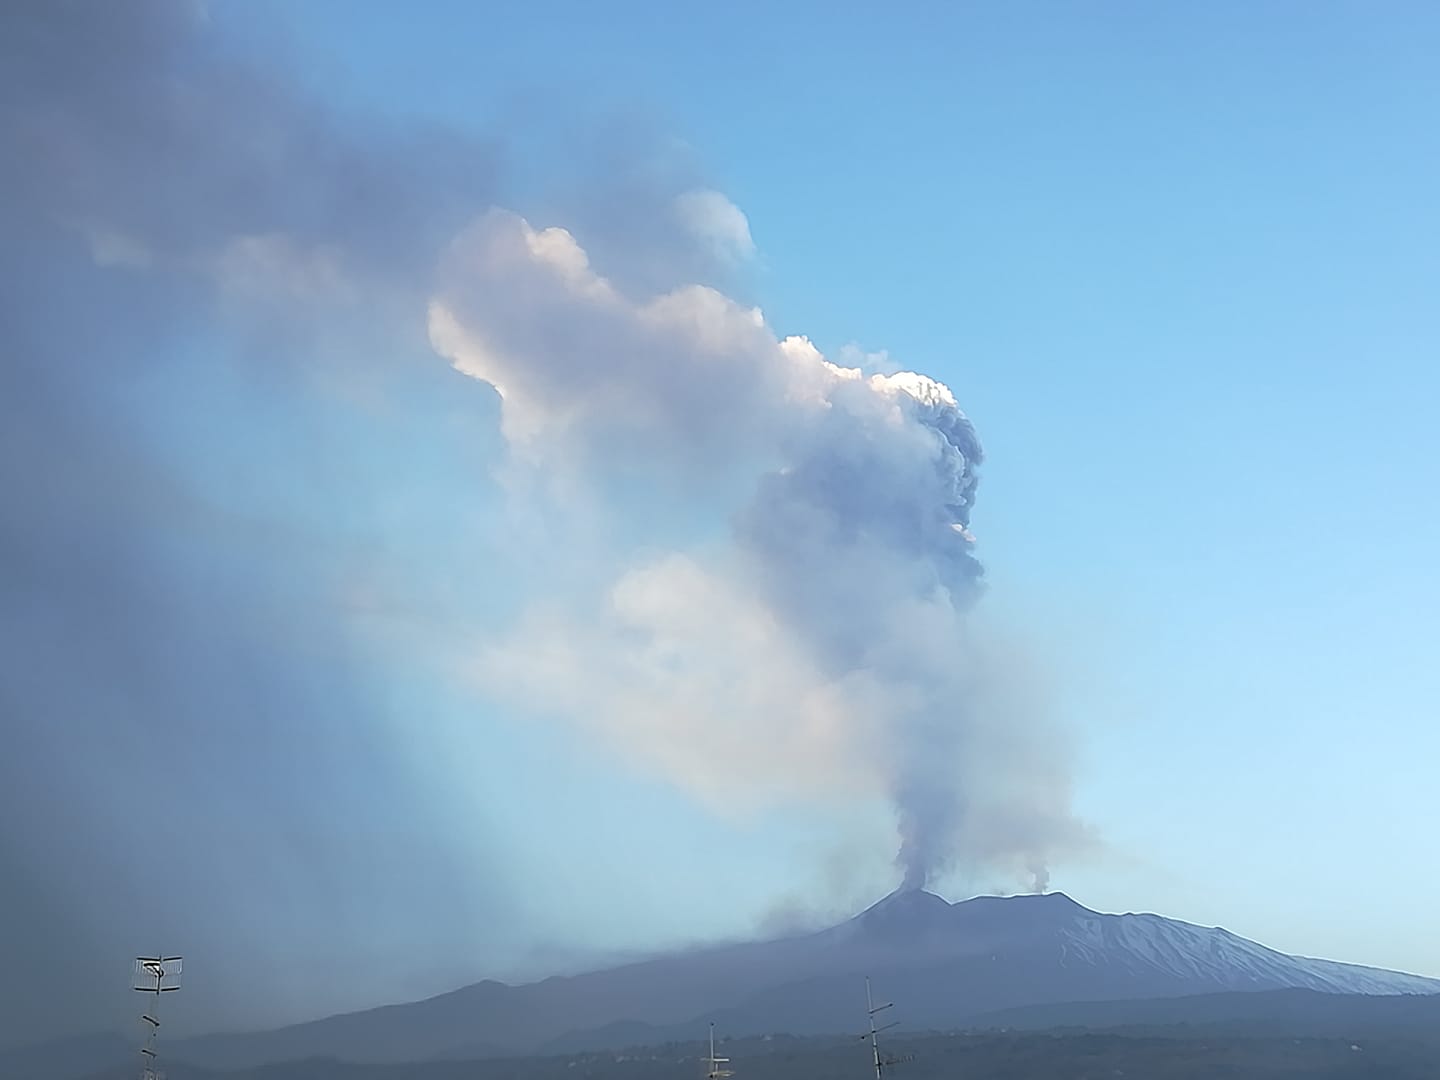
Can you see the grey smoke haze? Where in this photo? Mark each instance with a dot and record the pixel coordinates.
(199, 746)
(204, 270)
(194, 753)
(860, 518)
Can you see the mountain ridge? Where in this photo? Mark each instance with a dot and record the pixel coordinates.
(942, 962)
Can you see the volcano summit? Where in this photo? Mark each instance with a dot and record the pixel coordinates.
(945, 963)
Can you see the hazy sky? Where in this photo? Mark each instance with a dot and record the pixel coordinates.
(265, 543)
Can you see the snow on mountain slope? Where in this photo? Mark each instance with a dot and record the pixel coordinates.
(1143, 945)
(945, 962)
(1216, 956)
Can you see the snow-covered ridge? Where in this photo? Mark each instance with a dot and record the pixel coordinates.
(1143, 946)
(949, 963)
(1217, 956)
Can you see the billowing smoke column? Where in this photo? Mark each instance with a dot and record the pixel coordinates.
(872, 513)
(825, 652)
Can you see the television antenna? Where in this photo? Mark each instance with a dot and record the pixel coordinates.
(716, 1072)
(156, 975)
(882, 1063)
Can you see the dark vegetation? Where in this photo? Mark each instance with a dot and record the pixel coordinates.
(1279, 1034)
(1162, 1054)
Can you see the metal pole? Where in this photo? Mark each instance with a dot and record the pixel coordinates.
(881, 1063)
(155, 975)
(716, 1073)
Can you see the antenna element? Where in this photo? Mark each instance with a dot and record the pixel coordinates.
(716, 1072)
(159, 974)
(881, 1063)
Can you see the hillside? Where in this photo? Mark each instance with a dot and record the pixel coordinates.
(945, 963)
(1201, 1056)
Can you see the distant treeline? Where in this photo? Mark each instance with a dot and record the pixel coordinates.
(998, 1056)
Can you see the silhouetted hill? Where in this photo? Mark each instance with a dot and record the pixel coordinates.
(945, 964)
(1296, 1013)
(66, 1059)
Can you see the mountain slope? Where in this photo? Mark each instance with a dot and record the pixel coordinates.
(943, 962)
(84, 1055)
(1267, 1013)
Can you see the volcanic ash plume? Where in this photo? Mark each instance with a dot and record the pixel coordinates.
(826, 651)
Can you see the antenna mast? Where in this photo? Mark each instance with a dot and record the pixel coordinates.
(159, 974)
(881, 1063)
(716, 1072)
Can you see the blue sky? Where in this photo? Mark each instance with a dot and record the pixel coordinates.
(1177, 265)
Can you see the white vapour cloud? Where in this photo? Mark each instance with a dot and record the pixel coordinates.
(580, 365)
(827, 649)
(698, 679)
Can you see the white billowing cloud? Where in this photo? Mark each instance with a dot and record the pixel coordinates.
(693, 677)
(717, 223)
(828, 648)
(852, 355)
(578, 363)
